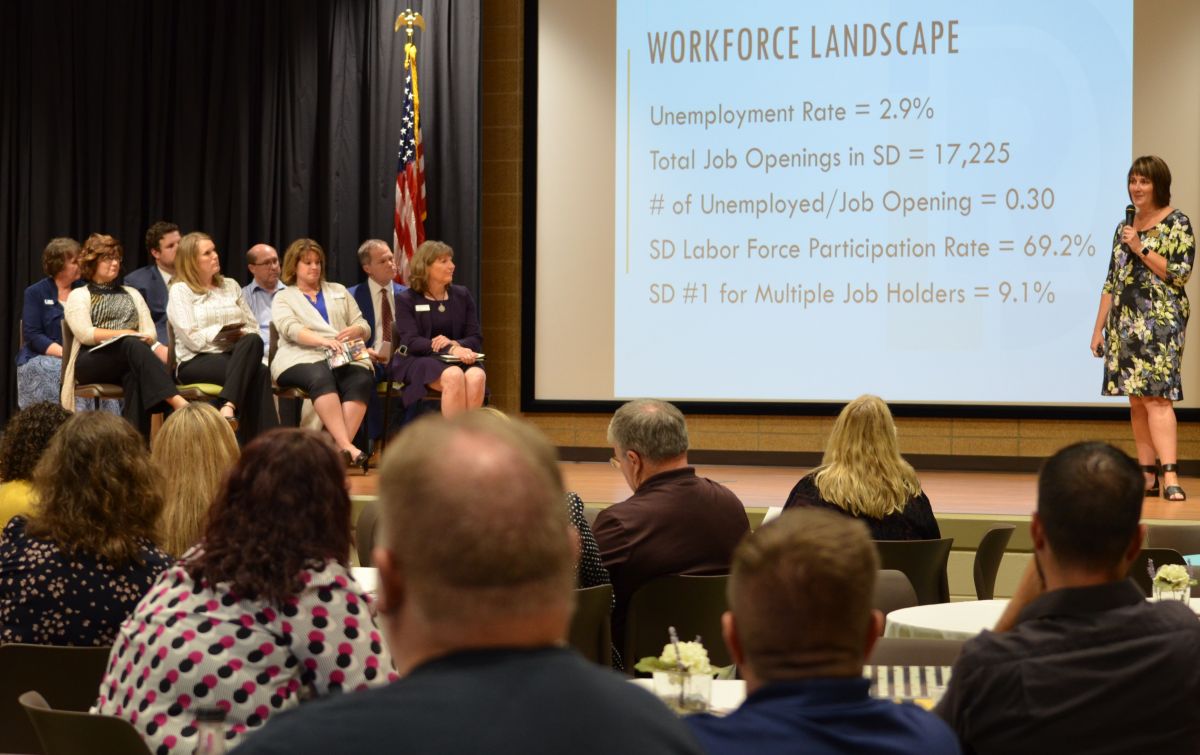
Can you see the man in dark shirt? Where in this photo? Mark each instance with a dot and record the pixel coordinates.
(799, 626)
(675, 522)
(162, 241)
(476, 581)
(1080, 661)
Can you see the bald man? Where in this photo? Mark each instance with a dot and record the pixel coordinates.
(263, 263)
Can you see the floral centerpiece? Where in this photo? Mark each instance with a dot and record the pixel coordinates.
(1173, 582)
(682, 674)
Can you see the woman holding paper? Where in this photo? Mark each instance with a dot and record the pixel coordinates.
(216, 337)
(115, 340)
(321, 351)
(437, 334)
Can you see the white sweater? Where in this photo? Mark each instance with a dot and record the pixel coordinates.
(291, 312)
(77, 314)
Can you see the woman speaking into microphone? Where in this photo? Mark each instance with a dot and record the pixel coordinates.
(1143, 315)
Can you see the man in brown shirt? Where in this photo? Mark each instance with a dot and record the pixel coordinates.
(675, 522)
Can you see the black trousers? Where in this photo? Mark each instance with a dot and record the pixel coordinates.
(350, 382)
(141, 374)
(245, 381)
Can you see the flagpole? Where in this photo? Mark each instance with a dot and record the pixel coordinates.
(409, 216)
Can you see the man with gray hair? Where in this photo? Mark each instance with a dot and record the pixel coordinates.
(376, 299)
(676, 522)
(476, 583)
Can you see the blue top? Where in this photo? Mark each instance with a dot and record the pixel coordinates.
(41, 319)
(260, 300)
(822, 716)
(319, 304)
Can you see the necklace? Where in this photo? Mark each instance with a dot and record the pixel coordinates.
(442, 302)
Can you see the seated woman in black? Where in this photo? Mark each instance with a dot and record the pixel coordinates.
(116, 340)
(864, 476)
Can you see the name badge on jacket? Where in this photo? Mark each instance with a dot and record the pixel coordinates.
(421, 308)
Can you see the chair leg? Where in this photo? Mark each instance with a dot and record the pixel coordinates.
(387, 414)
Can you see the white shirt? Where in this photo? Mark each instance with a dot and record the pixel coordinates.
(197, 318)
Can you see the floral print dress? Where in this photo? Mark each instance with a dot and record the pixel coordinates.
(1143, 343)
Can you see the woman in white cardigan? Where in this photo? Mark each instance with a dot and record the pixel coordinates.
(115, 338)
(216, 337)
(315, 318)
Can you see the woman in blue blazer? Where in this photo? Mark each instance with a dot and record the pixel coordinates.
(39, 362)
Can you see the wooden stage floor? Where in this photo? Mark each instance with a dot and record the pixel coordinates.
(978, 493)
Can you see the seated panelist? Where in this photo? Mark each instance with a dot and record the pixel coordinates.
(39, 362)
(316, 318)
(115, 338)
(436, 321)
(216, 336)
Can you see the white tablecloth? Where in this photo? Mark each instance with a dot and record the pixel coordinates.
(367, 576)
(945, 621)
(727, 694)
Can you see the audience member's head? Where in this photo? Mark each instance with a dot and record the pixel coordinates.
(263, 263)
(98, 250)
(648, 436)
(283, 507)
(97, 490)
(162, 240)
(800, 596)
(426, 254)
(377, 261)
(1089, 507)
(189, 264)
(301, 250)
(862, 470)
(61, 256)
(194, 450)
(26, 437)
(476, 546)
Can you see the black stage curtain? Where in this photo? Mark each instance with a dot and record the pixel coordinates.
(251, 120)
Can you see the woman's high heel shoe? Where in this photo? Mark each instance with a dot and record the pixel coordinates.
(1152, 469)
(362, 461)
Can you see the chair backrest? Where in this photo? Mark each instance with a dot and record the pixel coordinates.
(1139, 571)
(73, 733)
(272, 342)
(987, 559)
(893, 591)
(691, 604)
(171, 349)
(1184, 538)
(923, 562)
(68, 339)
(364, 532)
(591, 626)
(772, 513)
(70, 676)
(896, 651)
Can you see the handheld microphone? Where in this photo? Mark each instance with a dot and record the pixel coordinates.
(1130, 211)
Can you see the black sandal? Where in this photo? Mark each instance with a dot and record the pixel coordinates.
(1152, 469)
(1173, 492)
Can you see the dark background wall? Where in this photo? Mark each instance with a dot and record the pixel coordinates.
(251, 120)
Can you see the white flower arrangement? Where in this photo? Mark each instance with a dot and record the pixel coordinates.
(1173, 577)
(686, 657)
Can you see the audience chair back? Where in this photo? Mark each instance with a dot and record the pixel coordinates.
(895, 651)
(691, 604)
(1184, 538)
(893, 591)
(923, 562)
(364, 532)
(987, 559)
(591, 627)
(1139, 571)
(73, 733)
(69, 676)
(94, 391)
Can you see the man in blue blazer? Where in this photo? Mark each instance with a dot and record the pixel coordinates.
(162, 241)
(372, 295)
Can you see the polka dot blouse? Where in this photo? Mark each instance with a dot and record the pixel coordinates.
(189, 646)
(48, 597)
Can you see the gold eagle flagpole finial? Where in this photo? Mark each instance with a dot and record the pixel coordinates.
(408, 19)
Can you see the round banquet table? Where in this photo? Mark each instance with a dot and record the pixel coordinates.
(944, 621)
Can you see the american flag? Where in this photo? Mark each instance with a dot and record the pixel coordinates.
(410, 173)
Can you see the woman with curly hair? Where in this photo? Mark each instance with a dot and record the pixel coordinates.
(864, 476)
(201, 435)
(25, 439)
(262, 614)
(73, 570)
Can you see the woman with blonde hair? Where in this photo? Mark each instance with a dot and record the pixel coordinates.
(201, 435)
(864, 476)
(216, 337)
(438, 337)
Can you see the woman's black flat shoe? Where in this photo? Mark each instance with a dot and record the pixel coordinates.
(362, 461)
(1173, 492)
(1151, 469)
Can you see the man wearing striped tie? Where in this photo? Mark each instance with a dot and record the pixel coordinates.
(800, 625)
(1080, 661)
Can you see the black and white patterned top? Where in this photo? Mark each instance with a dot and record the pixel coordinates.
(112, 308)
(590, 571)
(48, 597)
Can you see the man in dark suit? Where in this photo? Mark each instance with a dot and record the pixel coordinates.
(162, 241)
(376, 297)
